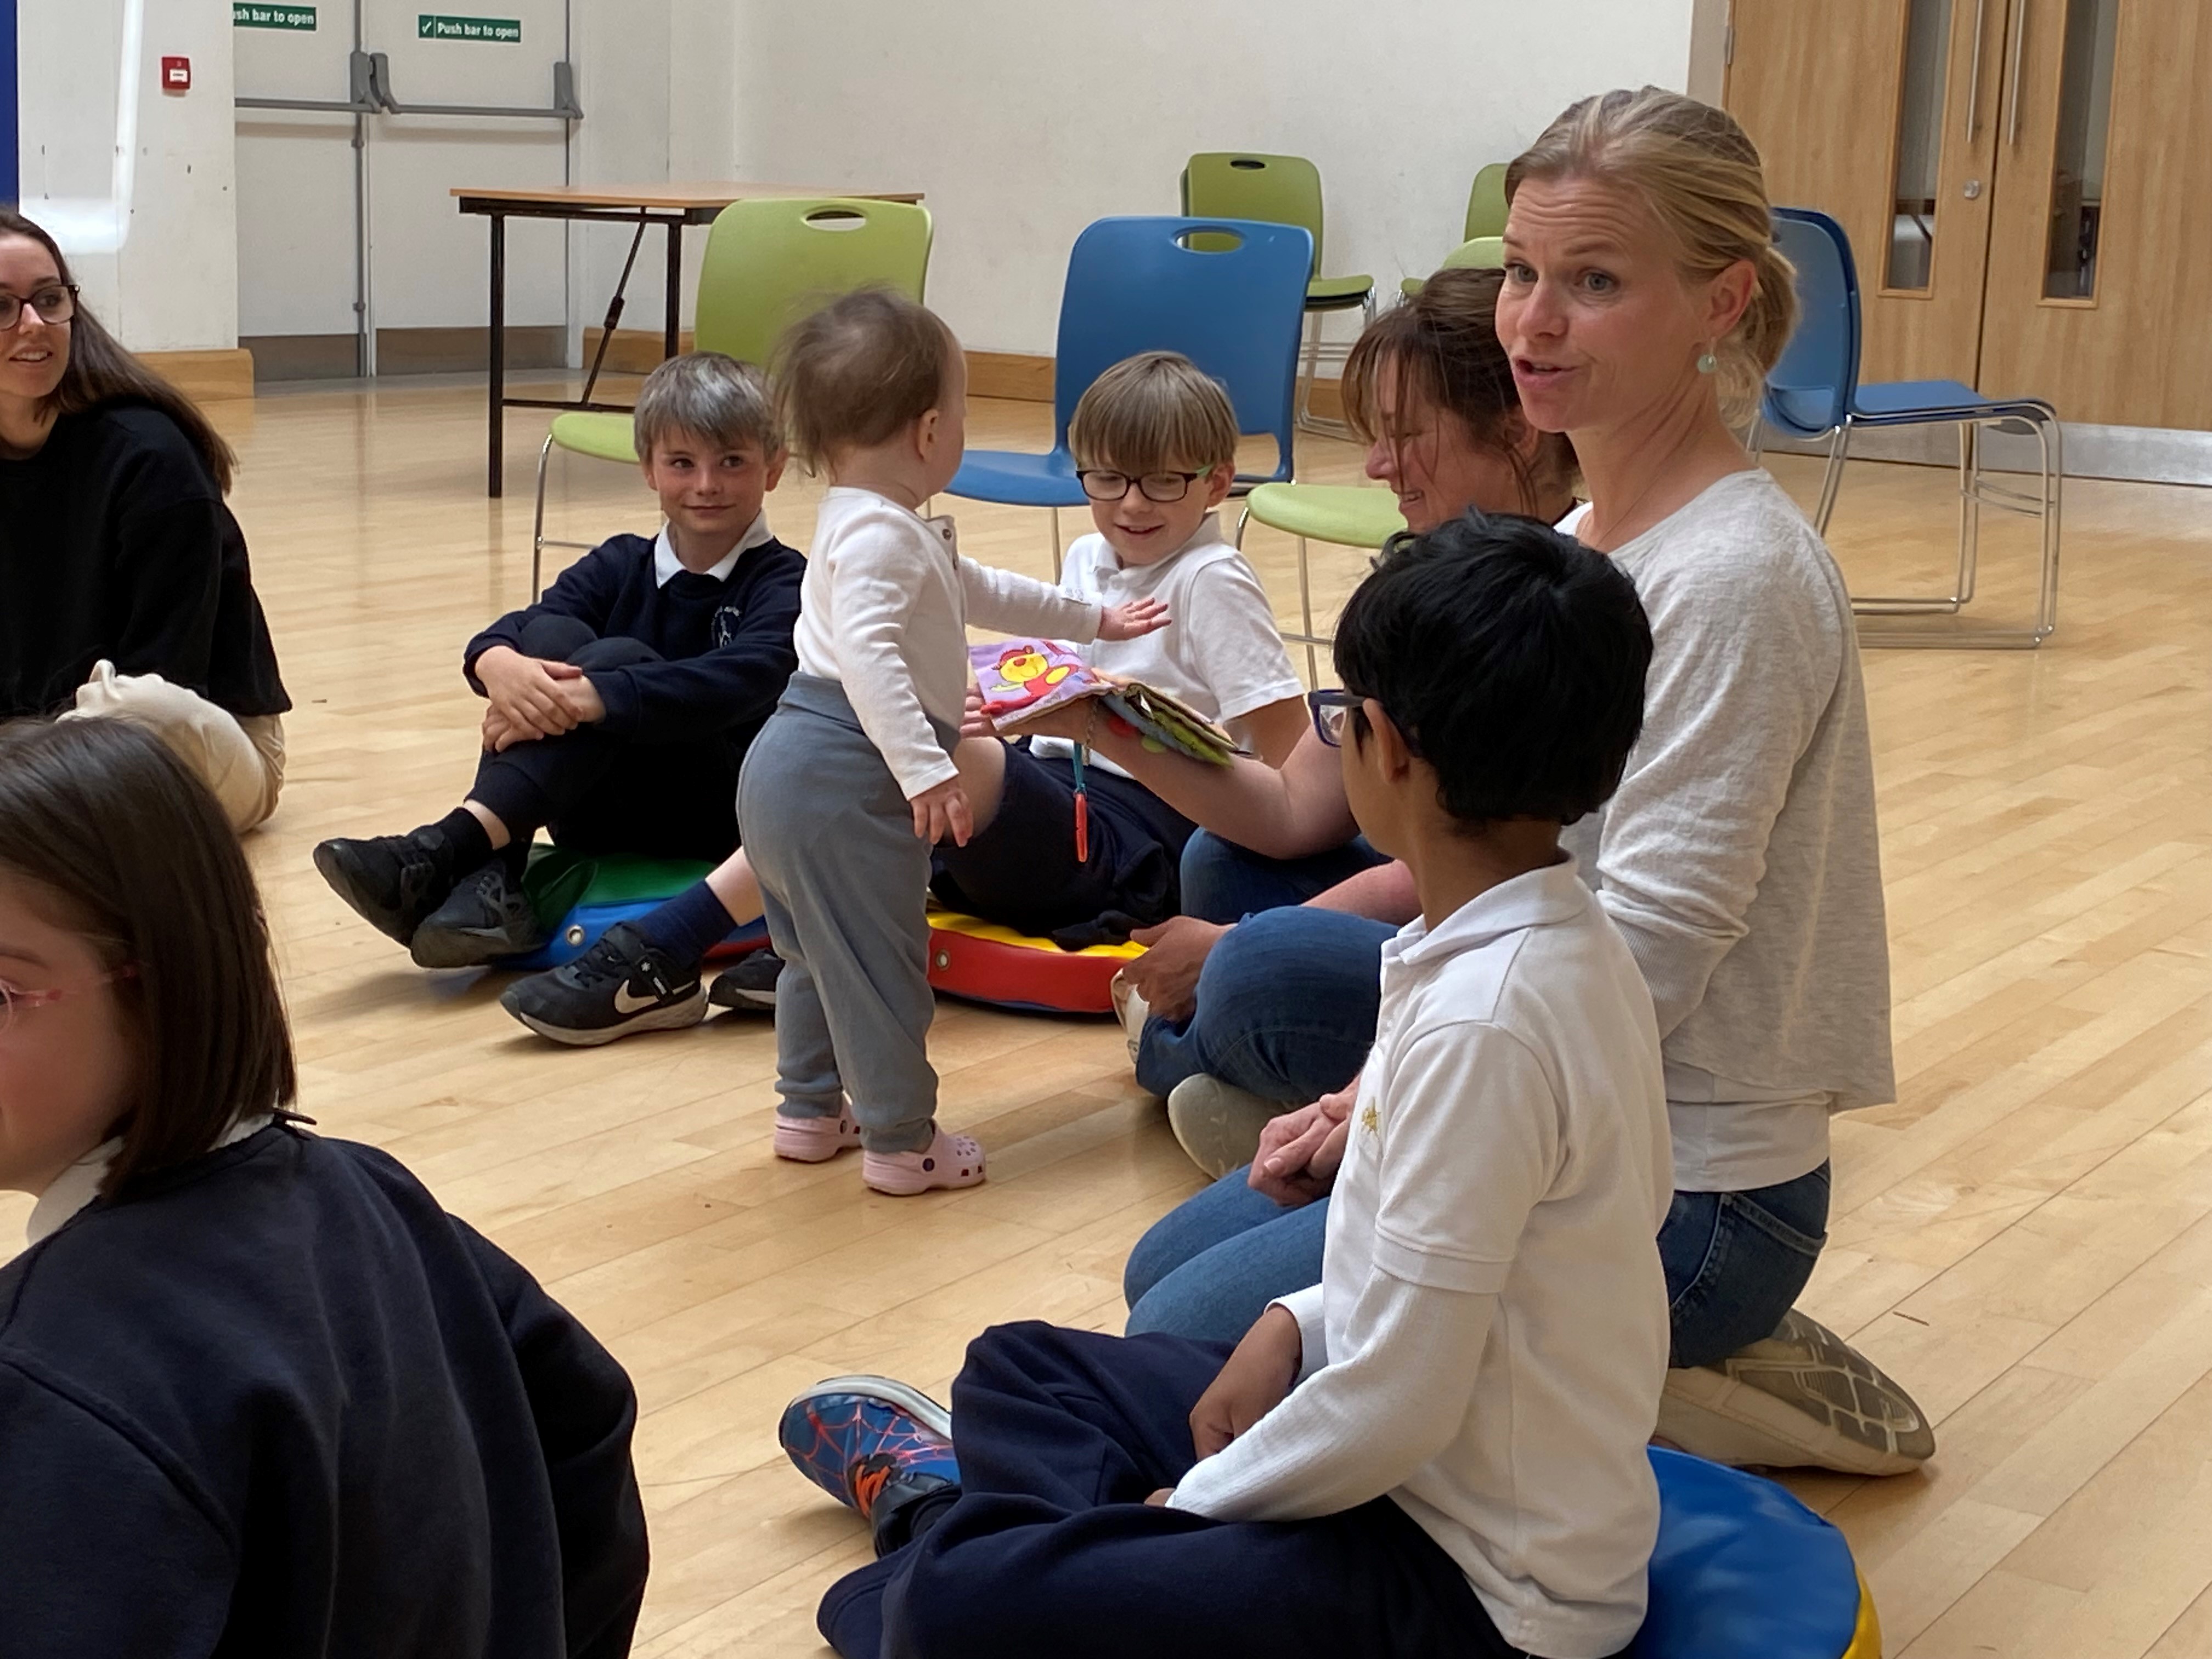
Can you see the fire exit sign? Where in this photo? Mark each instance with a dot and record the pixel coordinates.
(245, 16)
(429, 26)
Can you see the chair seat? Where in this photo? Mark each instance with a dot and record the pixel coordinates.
(1909, 400)
(1347, 515)
(1338, 293)
(1014, 478)
(1744, 1570)
(1801, 411)
(606, 437)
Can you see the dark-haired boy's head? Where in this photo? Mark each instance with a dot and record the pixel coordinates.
(1510, 660)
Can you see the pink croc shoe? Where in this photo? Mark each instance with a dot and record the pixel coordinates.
(816, 1140)
(947, 1161)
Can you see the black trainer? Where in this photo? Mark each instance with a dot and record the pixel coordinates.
(748, 982)
(484, 918)
(393, 882)
(619, 986)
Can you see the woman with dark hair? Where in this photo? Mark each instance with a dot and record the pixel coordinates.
(261, 1393)
(124, 589)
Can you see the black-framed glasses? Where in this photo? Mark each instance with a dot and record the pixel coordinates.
(1333, 707)
(1104, 486)
(55, 303)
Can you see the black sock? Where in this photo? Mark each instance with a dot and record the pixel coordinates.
(462, 843)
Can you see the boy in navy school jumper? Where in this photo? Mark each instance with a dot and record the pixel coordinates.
(1440, 1451)
(259, 1396)
(623, 702)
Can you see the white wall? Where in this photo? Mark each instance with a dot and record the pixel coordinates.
(171, 283)
(1024, 122)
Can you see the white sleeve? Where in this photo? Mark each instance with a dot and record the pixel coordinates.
(1307, 1307)
(1471, 1145)
(1742, 666)
(874, 576)
(1013, 604)
(1234, 639)
(1355, 1431)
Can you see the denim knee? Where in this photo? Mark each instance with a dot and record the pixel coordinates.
(1736, 1263)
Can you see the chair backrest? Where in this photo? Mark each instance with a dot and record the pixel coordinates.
(1234, 305)
(770, 262)
(1809, 391)
(1486, 204)
(1479, 253)
(1281, 190)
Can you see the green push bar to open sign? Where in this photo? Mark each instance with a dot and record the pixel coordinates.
(245, 16)
(507, 30)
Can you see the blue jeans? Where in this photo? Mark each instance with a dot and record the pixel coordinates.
(1734, 1262)
(1286, 1001)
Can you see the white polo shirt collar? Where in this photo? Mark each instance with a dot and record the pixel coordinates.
(666, 566)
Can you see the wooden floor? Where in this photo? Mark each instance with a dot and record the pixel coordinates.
(2025, 1239)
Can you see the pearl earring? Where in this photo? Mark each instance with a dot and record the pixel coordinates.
(1707, 363)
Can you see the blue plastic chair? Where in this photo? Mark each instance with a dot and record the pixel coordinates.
(1813, 392)
(1135, 285)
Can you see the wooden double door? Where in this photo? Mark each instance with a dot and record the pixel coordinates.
(2027, 186)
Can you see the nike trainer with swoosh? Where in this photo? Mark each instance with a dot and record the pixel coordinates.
(621, 985)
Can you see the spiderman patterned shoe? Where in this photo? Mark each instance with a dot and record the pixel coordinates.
(875, 1445)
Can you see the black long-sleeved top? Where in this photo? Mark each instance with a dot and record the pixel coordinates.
(276, 1402)
(115, 543)
(726, 645)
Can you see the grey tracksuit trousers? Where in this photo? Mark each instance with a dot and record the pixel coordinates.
(844, 882)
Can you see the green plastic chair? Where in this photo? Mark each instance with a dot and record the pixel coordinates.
(1486, 222)
(1344, 515)
(768, 264)
(1283, 190)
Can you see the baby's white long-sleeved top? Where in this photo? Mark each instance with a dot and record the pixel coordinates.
(1489, 1338)
(884, 610)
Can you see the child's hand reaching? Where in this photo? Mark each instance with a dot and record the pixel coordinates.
(1133, 620)
(1252, 1385)
(943, 813)
(974, 721)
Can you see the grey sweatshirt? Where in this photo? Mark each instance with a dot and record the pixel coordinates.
(1741, 857)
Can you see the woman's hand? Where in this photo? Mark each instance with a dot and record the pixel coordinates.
(1166, 976)
(943, 812)
(1133, 620)
(527, 694)
(1301, 1151)
(1252, 1385)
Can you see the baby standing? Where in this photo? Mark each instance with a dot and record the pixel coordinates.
(852, 781)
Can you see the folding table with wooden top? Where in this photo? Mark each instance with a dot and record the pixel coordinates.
(673, 205)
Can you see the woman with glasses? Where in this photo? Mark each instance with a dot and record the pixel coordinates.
(124, 589)
(1643, 302)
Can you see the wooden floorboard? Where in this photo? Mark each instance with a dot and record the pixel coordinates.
(2025, 1238)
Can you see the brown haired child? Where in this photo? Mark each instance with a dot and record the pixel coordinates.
(262, 1394)
(852, 781)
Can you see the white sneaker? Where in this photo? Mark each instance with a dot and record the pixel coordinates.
(1130, 1009)
(1803, 1397)
(1219, 1123)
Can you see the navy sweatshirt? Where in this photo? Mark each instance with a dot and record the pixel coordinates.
(115, 543)
(726, 644)
(276, 1402)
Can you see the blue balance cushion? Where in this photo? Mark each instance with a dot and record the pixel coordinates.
(583, 896)
(1744, 1570)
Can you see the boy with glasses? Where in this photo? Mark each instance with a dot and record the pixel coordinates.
(1155, 445)
(1439, 1451)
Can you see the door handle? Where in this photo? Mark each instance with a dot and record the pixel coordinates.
(1974, 81)
(2012, 97)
